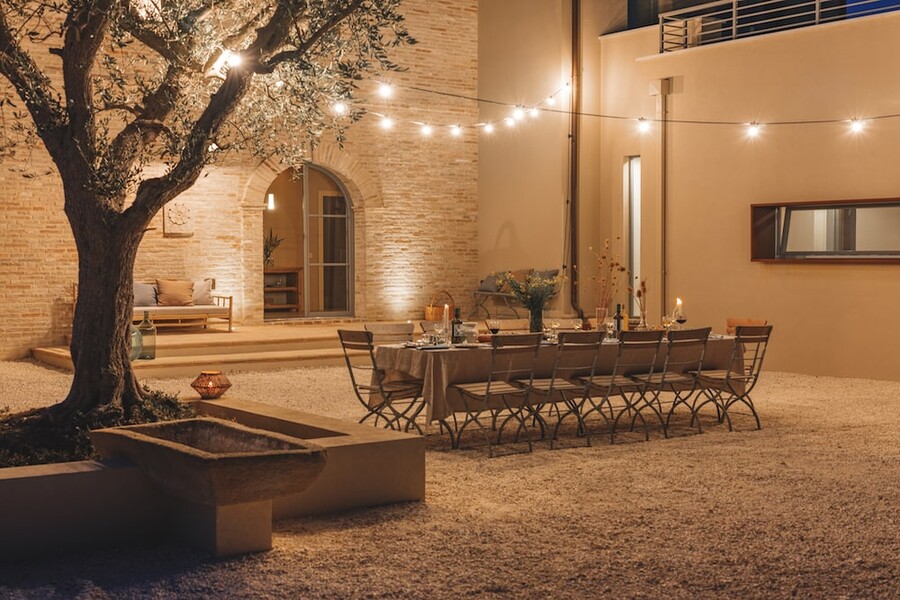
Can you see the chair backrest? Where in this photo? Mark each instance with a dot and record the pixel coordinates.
(507, 325)
(685, 350)
(731, 323)
(513, 357)
(750, 344)
(390, 333)
(357, 344)
(576, 357)
(638, 351)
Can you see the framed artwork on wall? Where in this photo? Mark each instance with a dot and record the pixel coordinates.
(178, 219)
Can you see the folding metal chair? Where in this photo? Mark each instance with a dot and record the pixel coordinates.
(505, 392)
(397, 402)
(725, 388)
(637, 354)
(571, 380)
(681, 369)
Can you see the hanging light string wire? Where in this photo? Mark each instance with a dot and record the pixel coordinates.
(542, 108)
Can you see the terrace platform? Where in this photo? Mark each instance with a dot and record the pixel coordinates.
(272, 346)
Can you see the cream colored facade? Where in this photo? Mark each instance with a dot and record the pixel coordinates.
(829, 319)
(440, 212)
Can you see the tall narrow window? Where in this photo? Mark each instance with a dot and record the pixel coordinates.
(632, 226)
(329, 246)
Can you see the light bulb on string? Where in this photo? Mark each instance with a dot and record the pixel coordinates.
(753, 129)
(426, 129)
(339, 108)
(550, 101)
(387, 123)
(534, 112)
(643, 125)
(509, 121)
(456, 131)
(857, 125)
(385, 90)
(233, 59)
(489, 128)
(518, 113)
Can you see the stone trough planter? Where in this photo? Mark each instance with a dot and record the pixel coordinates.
(227, 474)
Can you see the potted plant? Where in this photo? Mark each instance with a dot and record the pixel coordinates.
(270, 242)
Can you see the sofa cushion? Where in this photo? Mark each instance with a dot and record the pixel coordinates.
(203, 292)
(174, 312)
(490, 284)
(145, 294)
(174, 292)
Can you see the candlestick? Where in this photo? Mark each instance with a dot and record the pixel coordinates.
(679, 308)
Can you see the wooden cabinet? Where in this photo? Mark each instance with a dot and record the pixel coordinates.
(282, 293)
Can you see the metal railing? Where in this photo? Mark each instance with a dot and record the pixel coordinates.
(734, 19)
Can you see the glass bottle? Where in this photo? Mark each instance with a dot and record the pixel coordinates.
(148, 334)
(618, 318)
(456, 334)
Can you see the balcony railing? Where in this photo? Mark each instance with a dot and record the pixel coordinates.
(734, 19)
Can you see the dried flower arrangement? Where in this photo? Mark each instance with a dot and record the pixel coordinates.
(608, 275)
(640, 294)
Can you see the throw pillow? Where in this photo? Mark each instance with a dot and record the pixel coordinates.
(203, 292)
(173, 292)
(489, 284)
(144, 294)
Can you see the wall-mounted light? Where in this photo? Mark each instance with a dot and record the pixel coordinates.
(270, 201)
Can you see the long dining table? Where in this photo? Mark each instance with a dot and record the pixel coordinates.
(440, 368)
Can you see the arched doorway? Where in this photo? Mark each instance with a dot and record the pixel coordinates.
(309, 220)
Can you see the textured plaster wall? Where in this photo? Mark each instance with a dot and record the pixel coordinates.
(415, 203)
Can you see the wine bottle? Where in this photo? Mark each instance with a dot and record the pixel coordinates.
(625, 326)
(618, 318)
(148, 333)
(456, 334)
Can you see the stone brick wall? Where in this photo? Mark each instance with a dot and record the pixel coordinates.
(415, 204)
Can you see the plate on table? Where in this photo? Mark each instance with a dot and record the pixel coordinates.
(434, 347)
(471, 345)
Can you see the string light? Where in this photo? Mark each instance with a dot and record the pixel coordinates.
(753, 129)
(385, 90)
(232, 59)
(339, 108)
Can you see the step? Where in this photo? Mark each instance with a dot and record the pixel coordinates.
(190, 366)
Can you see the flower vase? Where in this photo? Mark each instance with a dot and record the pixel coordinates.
(536, 323)
(642, 325)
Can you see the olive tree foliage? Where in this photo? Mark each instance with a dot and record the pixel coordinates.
(130, 84)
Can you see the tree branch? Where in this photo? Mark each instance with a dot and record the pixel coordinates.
(297, 53)
(34, 89)
(85, 28)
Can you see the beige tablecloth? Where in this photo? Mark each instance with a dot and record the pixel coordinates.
(441, 368)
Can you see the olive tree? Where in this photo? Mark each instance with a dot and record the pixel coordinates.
(114, 89)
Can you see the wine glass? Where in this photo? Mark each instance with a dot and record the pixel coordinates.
(681, 320)
(438, 332)
(493, 326)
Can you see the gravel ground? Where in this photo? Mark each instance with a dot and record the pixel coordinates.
(807, 507)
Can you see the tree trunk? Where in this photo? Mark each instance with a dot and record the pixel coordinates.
(101, 342)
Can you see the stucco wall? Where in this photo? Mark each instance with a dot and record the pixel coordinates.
(415, 203)
(828, 319)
